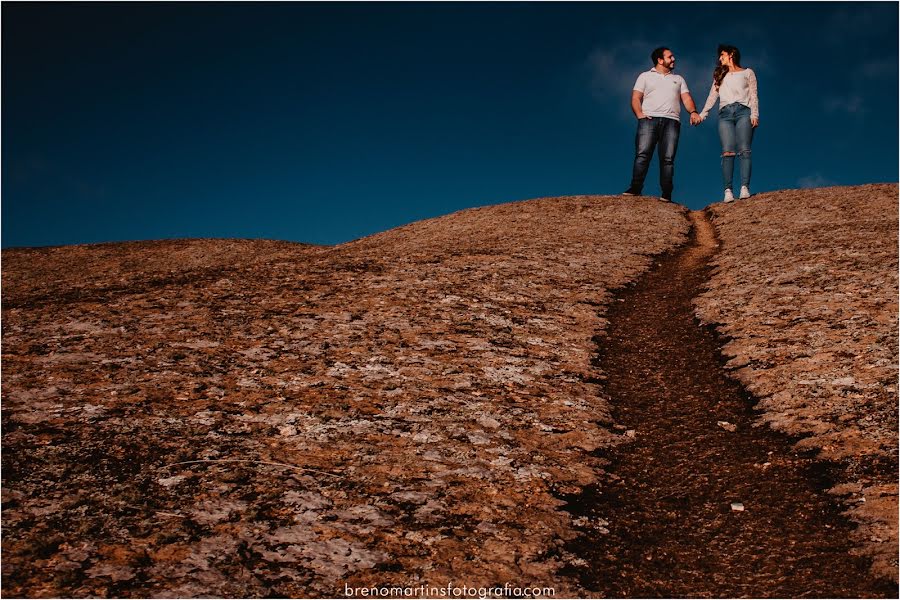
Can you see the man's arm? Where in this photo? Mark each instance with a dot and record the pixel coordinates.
(691, 107)
(636, 99)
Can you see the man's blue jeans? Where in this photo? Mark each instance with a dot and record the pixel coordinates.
(736, 134)
(651, 132)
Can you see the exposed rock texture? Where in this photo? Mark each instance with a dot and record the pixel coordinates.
(805, 287)
(245, 418)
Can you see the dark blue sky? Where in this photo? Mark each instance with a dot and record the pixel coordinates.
(326, 122)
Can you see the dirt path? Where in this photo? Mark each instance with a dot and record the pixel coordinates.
(672, 531)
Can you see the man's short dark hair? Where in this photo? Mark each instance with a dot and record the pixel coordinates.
(658, 54)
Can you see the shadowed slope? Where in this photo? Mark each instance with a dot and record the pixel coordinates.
(805, 287)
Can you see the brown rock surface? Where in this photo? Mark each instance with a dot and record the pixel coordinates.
(245, 418)
(805, 289)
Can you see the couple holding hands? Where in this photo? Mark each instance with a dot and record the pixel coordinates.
(656, 101)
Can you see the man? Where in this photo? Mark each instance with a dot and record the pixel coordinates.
(656, 102)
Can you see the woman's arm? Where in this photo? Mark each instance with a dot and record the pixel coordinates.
(754, 96)
(710, 101)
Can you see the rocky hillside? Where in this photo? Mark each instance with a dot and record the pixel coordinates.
(255, 418)
(251, 418)
(805, 288)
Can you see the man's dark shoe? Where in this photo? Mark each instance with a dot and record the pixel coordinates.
(665, 198)
(630, 192)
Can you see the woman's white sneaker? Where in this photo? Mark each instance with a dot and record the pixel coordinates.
(729, 197)
(745, 192)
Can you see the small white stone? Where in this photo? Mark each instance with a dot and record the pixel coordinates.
(486, 421)
(287, 430)
(171, 481)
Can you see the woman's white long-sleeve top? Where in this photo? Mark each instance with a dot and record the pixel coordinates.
(737, 86)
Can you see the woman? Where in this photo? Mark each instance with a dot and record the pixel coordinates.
(735, 87)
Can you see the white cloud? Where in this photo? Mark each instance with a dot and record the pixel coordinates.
(862, 21)
(815, 180)
(851, 104)
(614, 69)
(878, 68)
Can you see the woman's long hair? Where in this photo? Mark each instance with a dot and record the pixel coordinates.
(722, 70)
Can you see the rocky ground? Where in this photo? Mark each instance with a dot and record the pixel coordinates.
(805, 288)
(702, 503)
(251, 418)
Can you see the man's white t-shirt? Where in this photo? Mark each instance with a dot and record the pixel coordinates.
(662, 93)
